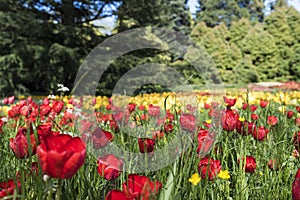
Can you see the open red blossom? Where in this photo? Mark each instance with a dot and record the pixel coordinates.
(272, 120)
(246, 128)
(141, 187)
(249, 165)
(209, 168)
(229, 102)
(230, 118)
(296, 186)
(154, 111)
(21, 145)
(205, 142)
(188, 122)
(101, 138)
(146, 145)
(8, 187)
(61, 156)
(261, 133)
(109, 166)
(263, 103)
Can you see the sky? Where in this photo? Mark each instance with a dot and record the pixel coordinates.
(109, 22)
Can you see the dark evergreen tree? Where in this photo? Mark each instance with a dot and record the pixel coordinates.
(43, 42)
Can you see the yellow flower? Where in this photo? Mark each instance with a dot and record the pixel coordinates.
(195, 179)
(208, 121)
(69, 105)
(241, 119)
(224, 174)
(5, 109)
(261, 173)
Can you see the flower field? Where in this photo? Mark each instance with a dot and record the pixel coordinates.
(237, 145)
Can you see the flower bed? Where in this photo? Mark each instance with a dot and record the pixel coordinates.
(155, 146)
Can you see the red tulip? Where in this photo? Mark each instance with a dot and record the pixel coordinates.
(297, 121)
(141, 107)
(101, 138)
(157, 134)
(45, 110)
(11, 99)
(188, 122)
(168, 127)
(296, 186)
(207, 106)
(296, 140)
(273, 165)
(7, 188)
(254, 117)
(117, 195)
(253, 108)
(298, 109)
(25, 110)
(246, 128)
(230, 118)
(263, 103)
(261, 133)
(131, 107)
(109, 166)
(44, 129)
(289, 114)
(3, 121)
(169, 116)
(141, 187)
(229, 102)
(57, 106)
(154, 111)
(209, 167)
(146, 145)
(244, 106)
(250, 164)
(60, 156)
(272, 120)
(205, 142)
(20, 144)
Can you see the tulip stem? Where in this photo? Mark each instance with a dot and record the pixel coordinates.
(58, 192)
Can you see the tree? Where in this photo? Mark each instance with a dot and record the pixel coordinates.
(171, 14)
(261, 47)
(44, 41)
(213, 12)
